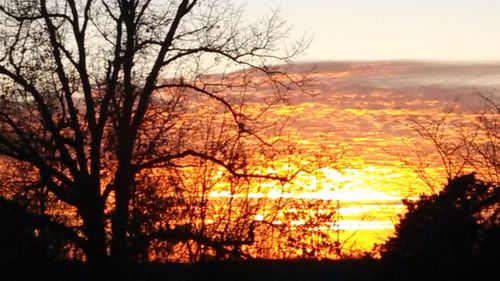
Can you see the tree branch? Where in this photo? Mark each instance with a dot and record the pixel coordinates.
(44, 221)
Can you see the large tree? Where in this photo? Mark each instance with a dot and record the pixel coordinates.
(104, 101)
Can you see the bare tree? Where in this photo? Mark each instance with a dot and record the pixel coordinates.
(98, 97)
(459, 142)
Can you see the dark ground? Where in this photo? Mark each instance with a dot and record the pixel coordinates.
(258, 270)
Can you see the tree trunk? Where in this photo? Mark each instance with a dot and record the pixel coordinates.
(93, 219)
(119, 244)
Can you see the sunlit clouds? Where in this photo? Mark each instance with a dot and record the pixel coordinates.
(360, 112)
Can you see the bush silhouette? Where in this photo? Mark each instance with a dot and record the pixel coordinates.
(449, 235)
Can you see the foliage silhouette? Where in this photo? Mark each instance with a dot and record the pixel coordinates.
(452, 235)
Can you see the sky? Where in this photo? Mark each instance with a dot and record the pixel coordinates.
(361, 113)
(447, 30)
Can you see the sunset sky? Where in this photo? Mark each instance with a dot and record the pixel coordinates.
(391, 29)
(190, 138)
(364, 107)
(214, 141)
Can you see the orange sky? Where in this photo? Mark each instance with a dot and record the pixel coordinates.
(361, 110)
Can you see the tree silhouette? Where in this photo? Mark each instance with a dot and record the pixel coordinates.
(446, 236)
(104, 102)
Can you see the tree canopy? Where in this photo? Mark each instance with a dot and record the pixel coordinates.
(449, 235)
